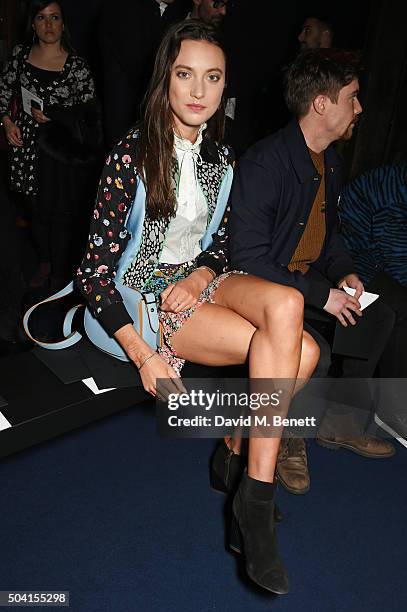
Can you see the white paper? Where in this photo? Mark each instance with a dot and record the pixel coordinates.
(365, 299)
(90, 383)
(28, 98)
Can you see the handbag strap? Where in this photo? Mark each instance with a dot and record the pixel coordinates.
(70, 337)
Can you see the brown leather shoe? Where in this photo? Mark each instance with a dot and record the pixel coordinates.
(343, 431)
(367, 446)
(292, 465)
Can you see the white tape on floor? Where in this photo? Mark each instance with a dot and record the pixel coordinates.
(390, 431)
(4, 424)
(90, 383)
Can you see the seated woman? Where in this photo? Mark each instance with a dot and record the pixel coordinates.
(209, 315)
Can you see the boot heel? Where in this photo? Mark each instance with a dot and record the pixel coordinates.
(236, 541)
(217, 484)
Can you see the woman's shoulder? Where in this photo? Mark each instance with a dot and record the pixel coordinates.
(226, 153)
(78, 63)
(223, 152)
(129, 141)
(78, 59)
(18, 50)
(229, 153)
(124, 152)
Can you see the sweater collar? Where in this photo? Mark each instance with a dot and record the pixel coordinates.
(300, 156)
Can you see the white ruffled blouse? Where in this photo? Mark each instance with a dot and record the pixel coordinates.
(189, 225)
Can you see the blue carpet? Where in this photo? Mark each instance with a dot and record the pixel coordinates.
(126, 521)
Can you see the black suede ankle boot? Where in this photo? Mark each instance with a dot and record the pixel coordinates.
(226, 472)
(226, 469)
(253, 533)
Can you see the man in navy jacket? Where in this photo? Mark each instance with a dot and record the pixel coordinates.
(284, 228)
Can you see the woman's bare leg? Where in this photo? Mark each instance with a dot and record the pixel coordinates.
(268, 318)
(309, 359)
(275, 353)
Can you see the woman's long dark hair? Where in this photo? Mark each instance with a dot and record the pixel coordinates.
(34, 7)
(156, 142)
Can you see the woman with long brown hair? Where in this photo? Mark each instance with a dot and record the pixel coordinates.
(175, 166)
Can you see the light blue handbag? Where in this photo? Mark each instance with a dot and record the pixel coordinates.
(141, 307)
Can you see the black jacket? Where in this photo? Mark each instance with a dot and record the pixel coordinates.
(274, 188)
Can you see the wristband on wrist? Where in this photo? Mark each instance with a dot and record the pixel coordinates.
(146, 359)
(208, 270)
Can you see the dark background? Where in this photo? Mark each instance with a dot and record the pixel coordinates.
(262, 35)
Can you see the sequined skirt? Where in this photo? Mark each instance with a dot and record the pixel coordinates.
(171, 322)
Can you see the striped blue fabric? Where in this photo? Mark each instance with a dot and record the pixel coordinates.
(373, 214)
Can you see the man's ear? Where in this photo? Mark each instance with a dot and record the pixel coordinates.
(326, 39)
(319, 104)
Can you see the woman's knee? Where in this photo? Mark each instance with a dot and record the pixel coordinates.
(284, 304)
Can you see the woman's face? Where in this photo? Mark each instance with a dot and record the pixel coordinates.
(196, 85)
(48, 24)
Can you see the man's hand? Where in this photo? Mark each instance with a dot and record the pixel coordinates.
(341, 305)
(353, 281)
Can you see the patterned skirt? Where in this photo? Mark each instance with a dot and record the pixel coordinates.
(171, 322)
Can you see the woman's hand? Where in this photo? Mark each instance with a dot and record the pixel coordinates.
(149, 364)
(39, 115)
(185, 293)
(13, 132)
(157, 369)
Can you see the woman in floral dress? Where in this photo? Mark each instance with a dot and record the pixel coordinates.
(46, 145)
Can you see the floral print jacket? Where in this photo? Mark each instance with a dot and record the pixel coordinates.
(71, 87)
(109, 238)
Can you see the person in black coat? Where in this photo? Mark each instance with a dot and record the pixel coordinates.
(284, 228)
(129, 35)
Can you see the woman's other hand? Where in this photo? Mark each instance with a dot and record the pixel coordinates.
(185, 293)
(39, 115)
(149, 364)
(13, 132)
(156, 369)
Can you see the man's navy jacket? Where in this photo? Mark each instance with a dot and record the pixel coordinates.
(273, 192)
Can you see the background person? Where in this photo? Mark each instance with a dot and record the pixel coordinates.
(210, 11)
(129, 35)
(373, 213)
(316, 33)
(48, 158)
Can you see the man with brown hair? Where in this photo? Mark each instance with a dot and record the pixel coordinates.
(284, 228)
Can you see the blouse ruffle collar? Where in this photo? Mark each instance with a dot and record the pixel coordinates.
(183, 144)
